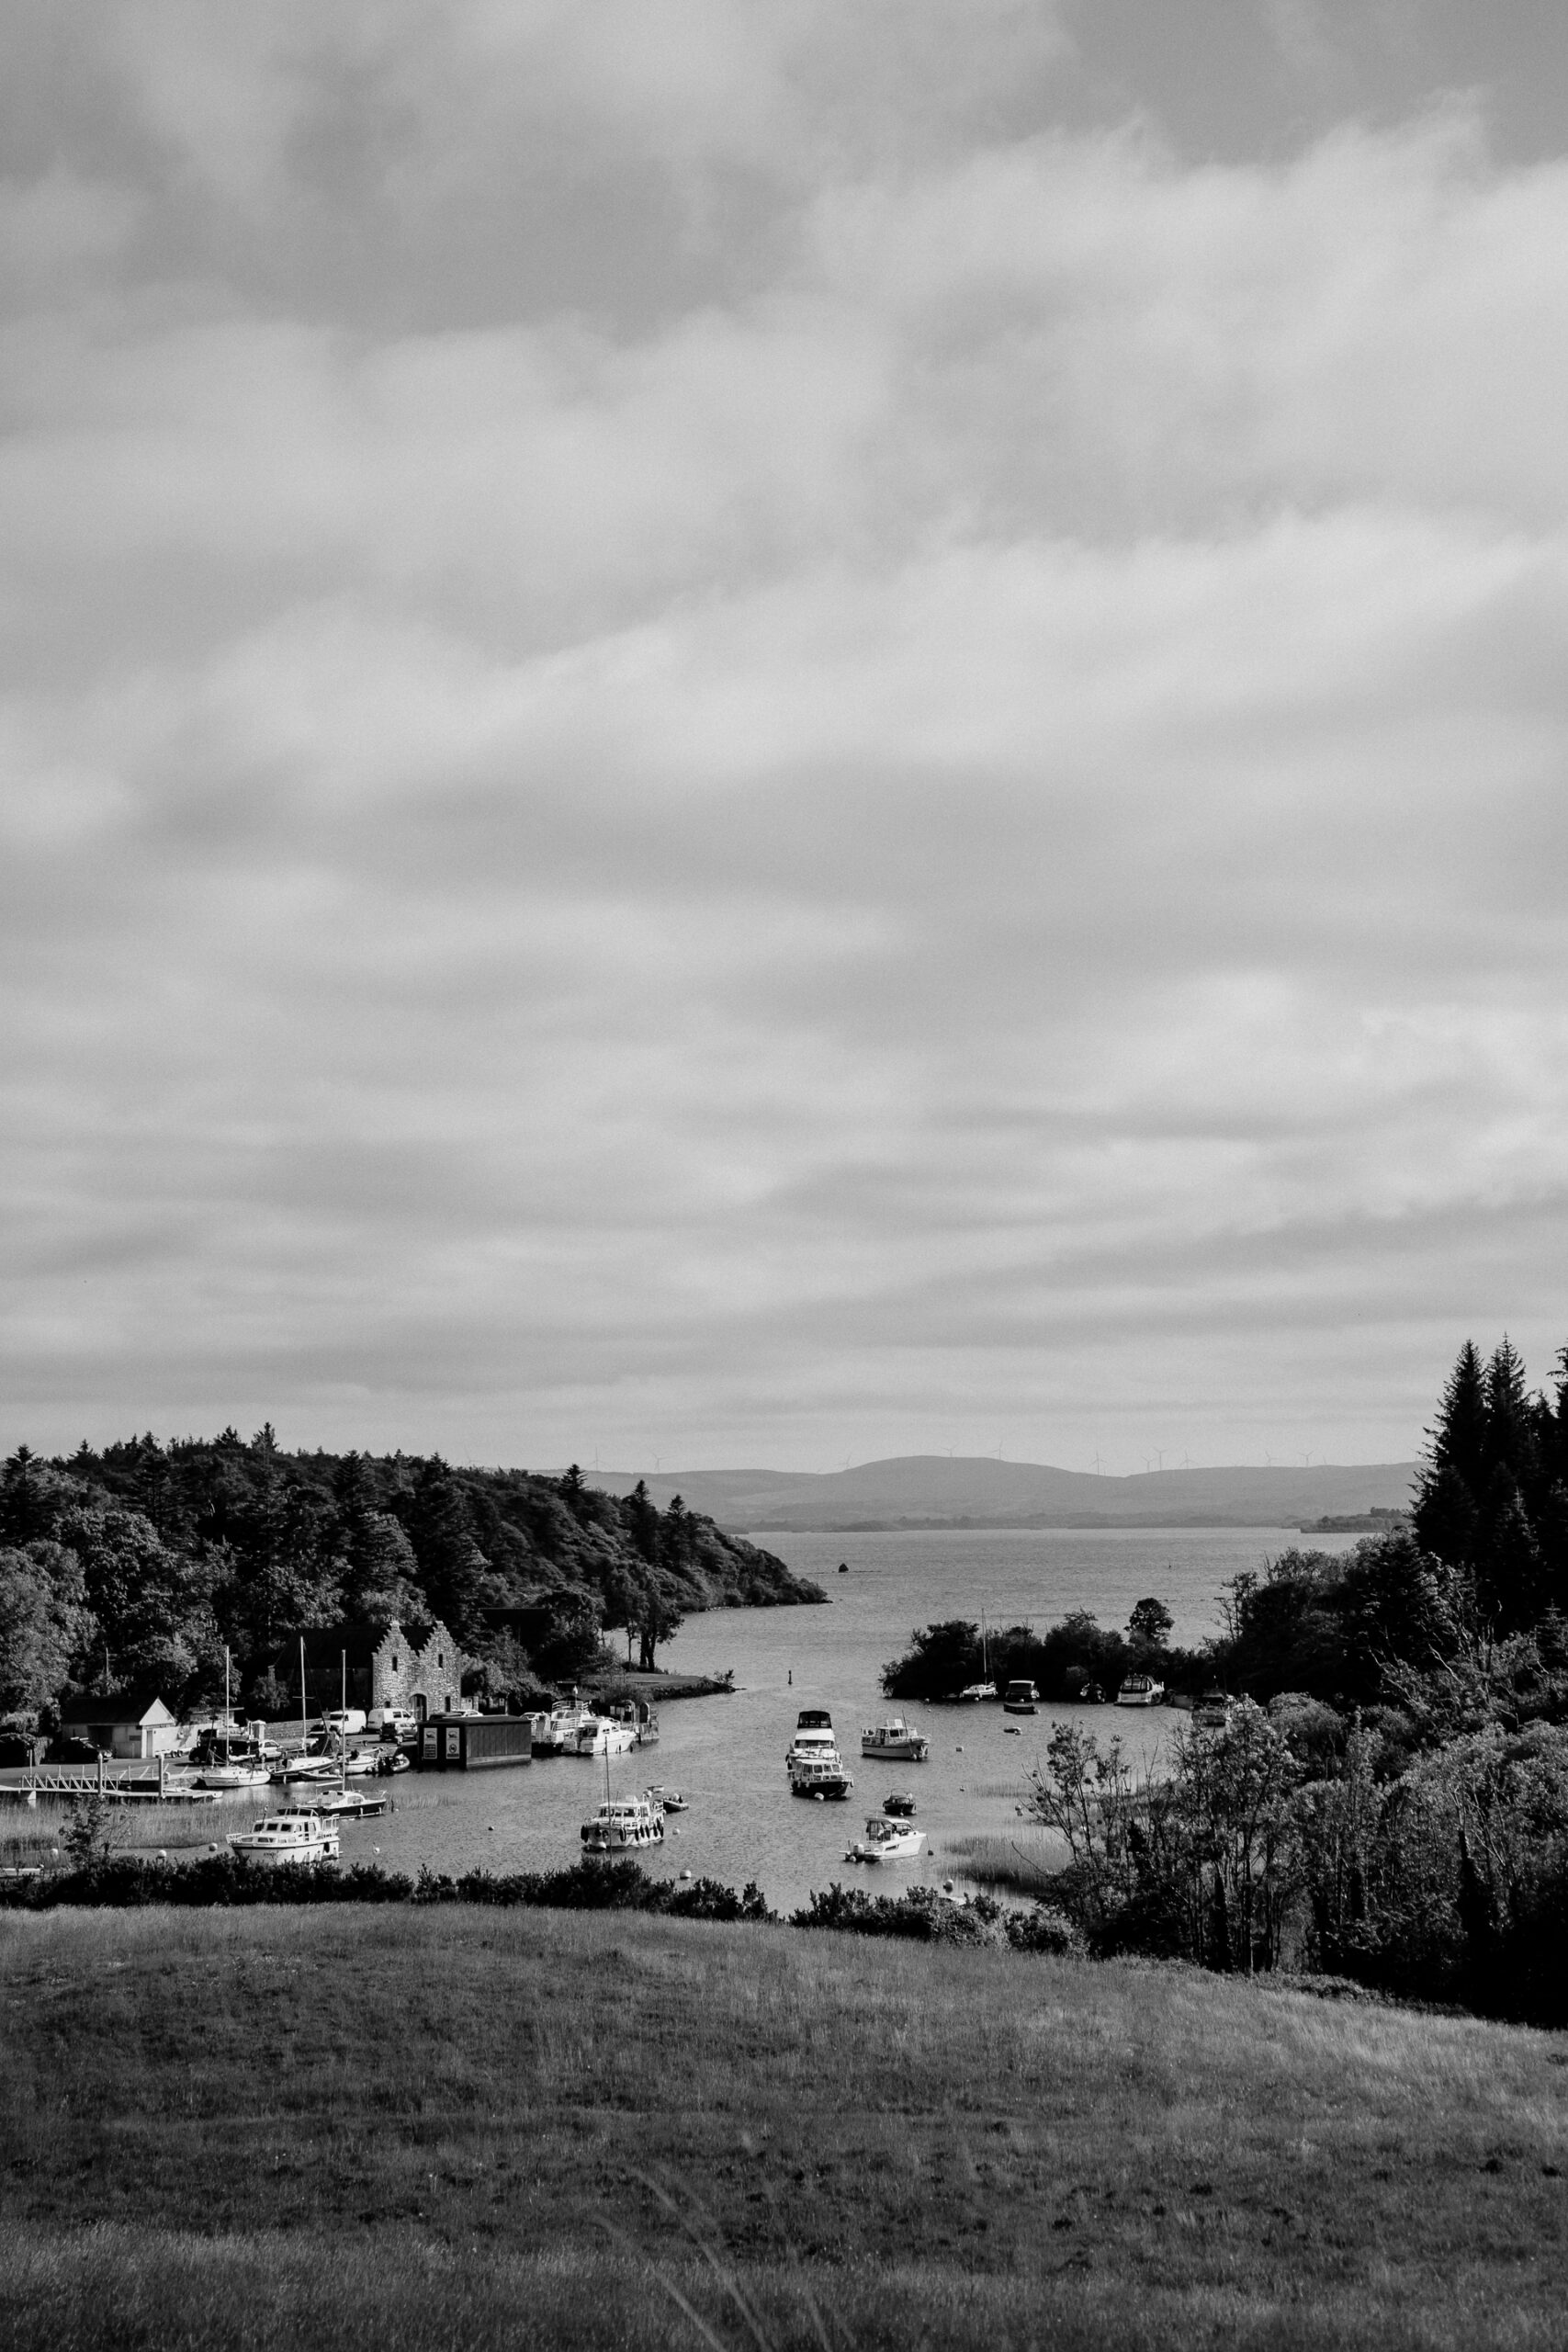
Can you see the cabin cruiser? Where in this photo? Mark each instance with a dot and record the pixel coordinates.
(623, 1824)
(604, 1735)
(815, 1767)
(1021, 1699)
(1140, 1691)
(286, 1837)
(900, 1804)
(886, 1841)
(899, 1742)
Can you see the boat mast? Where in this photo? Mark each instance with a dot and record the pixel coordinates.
(343, 1723)
(226, 1758)
(303, 1734)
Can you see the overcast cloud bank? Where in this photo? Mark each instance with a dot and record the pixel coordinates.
(757, 734)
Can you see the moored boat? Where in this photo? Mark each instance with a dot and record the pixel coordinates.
(975, 1691)
(886, 1841)
(347, 1804)
(900, 1804)
(624, 1825)
(604, 1735)
(815, 1767)
(895, 1740)
(286, 1837)
(1021, 1699)
(1140, 1691)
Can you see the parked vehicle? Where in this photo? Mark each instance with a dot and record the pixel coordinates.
(1021, 1699)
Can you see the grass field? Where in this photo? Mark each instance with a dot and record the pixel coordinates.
(485, 2128)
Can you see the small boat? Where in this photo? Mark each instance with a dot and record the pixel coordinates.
(238, 1772)
(286, 1837)
(886, 1841)
(973, 1692)
(347, 1804)
(299, 1768)
(1011, 1731)
(899, 1742)
(899, 1804)
(1021, 1699)
(1140, 1691)
(671, 1800)
(623, 1824)
(843, 1567)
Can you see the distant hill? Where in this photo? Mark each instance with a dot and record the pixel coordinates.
(942, 1490)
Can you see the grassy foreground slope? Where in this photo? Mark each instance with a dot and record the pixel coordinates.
(477, 2128)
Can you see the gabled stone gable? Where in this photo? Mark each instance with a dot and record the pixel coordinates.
(401, 1672)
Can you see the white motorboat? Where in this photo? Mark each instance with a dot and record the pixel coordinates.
(895, 1741)
(604, 1735)
(886, 1841)
(1140, 1691)
(347, 1804)
(624, 1825)
(815, 1767)
(286, 1837)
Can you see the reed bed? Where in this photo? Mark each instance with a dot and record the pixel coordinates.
(311, 2128)
(32, 1833)
(1024, 1864)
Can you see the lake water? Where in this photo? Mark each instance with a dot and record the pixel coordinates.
(728, 1754)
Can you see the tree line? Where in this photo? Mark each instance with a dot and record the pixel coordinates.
(141, 1564)
(1378, 1788)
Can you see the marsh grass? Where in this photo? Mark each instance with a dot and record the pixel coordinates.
(1023, 1864)
(440, 2126)
(32, 1833)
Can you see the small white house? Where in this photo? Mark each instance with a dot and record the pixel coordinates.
(130, 1725)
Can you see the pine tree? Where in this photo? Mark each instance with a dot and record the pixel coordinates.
(1456, 1471)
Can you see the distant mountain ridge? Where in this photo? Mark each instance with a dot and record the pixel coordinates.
(940, 1490)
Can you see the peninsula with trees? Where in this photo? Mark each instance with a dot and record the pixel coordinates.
(142, 1564)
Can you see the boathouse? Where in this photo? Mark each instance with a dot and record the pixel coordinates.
(457, 1743)
(132, 1723)
(375, 1669)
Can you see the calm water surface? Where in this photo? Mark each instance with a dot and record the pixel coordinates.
(728, 1754)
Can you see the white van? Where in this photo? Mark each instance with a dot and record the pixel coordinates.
(394, 1722)
(345, 1720)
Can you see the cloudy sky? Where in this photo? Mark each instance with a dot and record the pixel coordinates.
(766, 733)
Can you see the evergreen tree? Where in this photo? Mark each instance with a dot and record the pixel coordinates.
(1456, 1471)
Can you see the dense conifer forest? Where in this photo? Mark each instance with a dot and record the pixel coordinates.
(140, 1565)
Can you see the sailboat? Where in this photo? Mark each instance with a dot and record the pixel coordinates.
(984, 1688)
(235, 1771)
(304, 1766)
(338, 1802)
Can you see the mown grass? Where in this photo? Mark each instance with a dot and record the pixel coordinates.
(449, 2126)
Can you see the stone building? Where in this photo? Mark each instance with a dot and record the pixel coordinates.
(375, 1670)
(427, 1676)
